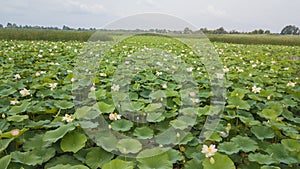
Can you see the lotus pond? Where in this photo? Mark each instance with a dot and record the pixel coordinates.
(147, 112)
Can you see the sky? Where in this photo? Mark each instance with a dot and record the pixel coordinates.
(241, 15)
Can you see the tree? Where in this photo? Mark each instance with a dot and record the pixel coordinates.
(221, 30)
(187, 31)
(290, 30)
(1, 26)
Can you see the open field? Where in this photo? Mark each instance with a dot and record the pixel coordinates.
(64, 105)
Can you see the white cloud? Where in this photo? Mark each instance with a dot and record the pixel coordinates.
(84, 7)
(211, 10)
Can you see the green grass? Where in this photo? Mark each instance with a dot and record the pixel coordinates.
(61, 35)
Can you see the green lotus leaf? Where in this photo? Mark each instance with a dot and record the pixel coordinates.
(280, 154)
(7, 92)
(155, 117)
(174, 156)
(106, 108)
(62, 160)
(261, 158)
(118, 164)
(97, 157)
(269, 167)
(220, 161)
(245, 144)
(54, 135)
(157, 95)
(238, 103)
(154, 158)
(4, 143)
(238, 92)
(63, 104)
(4, 161)
(61, 166)
(17, 118)
(73, 142)
(262, 132)
(19, 109)
(121, 125)
(126, 146)
(193, 164)
(269, 114)
(291, 144)
(35, 142)
(143, 133)
(153, 107)
(229, 148)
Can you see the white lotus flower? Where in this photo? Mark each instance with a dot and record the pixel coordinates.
(67, 118)
(256, 89)
(291, 84)
(115, 87)
(15, 101)
(164, 86)
(209, 151)
(24, 92)
(52, 85)
(17, 76)
(114, 116)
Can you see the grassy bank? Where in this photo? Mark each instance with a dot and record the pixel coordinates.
(61, 35)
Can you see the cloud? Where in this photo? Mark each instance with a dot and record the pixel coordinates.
(211, 10)
(84, 7)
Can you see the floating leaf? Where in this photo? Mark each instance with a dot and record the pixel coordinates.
(121, 125)
(174, 156)
(63, 104)
(220, 161)
(19, 109)
(17, 118)
(229, 148)
(153, 107)
(246, 144)
(154, 158)
(61, 166)
(4, 161)
(4, 143)
(143, 132)
(73, 142)
(262, 132)
(261, 158)
(280, 154)
(97, 157)
(155, 117)
(106, 108)
(118, 164)
(291, 144)
(238, 103)
(54, 135)
(126, 146)
(269, 114)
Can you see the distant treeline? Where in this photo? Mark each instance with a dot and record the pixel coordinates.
(287, 30)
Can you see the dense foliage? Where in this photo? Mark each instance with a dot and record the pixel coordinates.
(42, 127)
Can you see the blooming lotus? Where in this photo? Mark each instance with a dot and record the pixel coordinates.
(52, 85)
(256, 89)
(115, 87)
(114, 116)
(13, 102)
(24, 92)
(67, 118)
(17, 76)
(209, 151)
(291, 84)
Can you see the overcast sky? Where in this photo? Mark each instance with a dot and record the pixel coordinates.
(242, 15)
